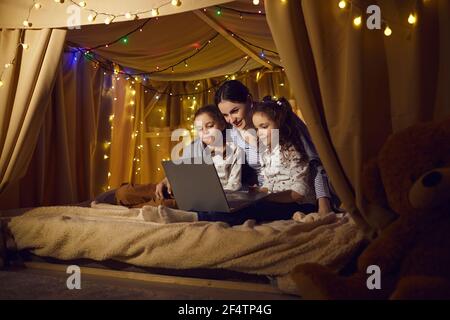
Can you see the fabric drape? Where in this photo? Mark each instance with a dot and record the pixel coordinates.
(355, 86)
(23, 97)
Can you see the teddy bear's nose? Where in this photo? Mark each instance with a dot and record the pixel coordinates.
(432, 179)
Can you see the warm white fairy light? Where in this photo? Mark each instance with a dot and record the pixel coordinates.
(25, 45)
(92, 17)
(27, 23)
(1, 83)
(176, 3)
(82, 4)
(357, 21)
(387, 31)
(342, 4)
(155, 12)
(412, 18)
(37, 6)
(108, 20)
(255, 2)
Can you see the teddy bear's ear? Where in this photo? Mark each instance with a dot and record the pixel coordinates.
(372, 184)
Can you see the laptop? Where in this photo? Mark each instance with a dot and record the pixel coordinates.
(197, 187)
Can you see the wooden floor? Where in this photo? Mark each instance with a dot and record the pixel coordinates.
(48, 281)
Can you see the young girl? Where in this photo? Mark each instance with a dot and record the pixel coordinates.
(285, 163)
(225, 155)
(285, 166)
(211, 147)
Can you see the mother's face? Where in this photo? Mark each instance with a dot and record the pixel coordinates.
(235, 113)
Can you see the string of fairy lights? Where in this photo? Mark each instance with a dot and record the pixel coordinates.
(154, 11)
(353, 6)
(109, 18)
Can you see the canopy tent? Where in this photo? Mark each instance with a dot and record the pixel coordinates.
(348, 81)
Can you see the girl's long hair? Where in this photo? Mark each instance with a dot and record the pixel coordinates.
(292, 130)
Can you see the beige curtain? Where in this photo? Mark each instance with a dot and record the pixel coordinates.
(67, 164)
(23, 97)
(356, 86)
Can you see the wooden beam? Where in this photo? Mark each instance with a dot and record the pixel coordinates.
(161, 279)
(237, 43)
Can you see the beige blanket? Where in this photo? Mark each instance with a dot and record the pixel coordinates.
(122, 234)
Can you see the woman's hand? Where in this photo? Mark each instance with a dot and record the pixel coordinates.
(324, 206)
(256, 189)
(160, 187)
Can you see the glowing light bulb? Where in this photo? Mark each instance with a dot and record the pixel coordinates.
(25, 46)
(342, 4)
(37, 6)
(108, 20)
(176, 3)
(82, 4)
(105, 156)
(255, 2)
(92, 17)
(133, 92)
(387, 31)
(155, 12)
(1, 83)
(357, 21)
(27, 23)
(412, 19)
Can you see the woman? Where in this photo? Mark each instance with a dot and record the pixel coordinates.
(235, 103)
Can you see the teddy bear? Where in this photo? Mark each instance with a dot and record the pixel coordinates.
(410, 179)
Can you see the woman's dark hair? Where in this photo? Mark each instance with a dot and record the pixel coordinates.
(291, 127)
(214, 112)
(232, 90)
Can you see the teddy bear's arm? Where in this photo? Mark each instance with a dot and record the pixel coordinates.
(389, 249)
